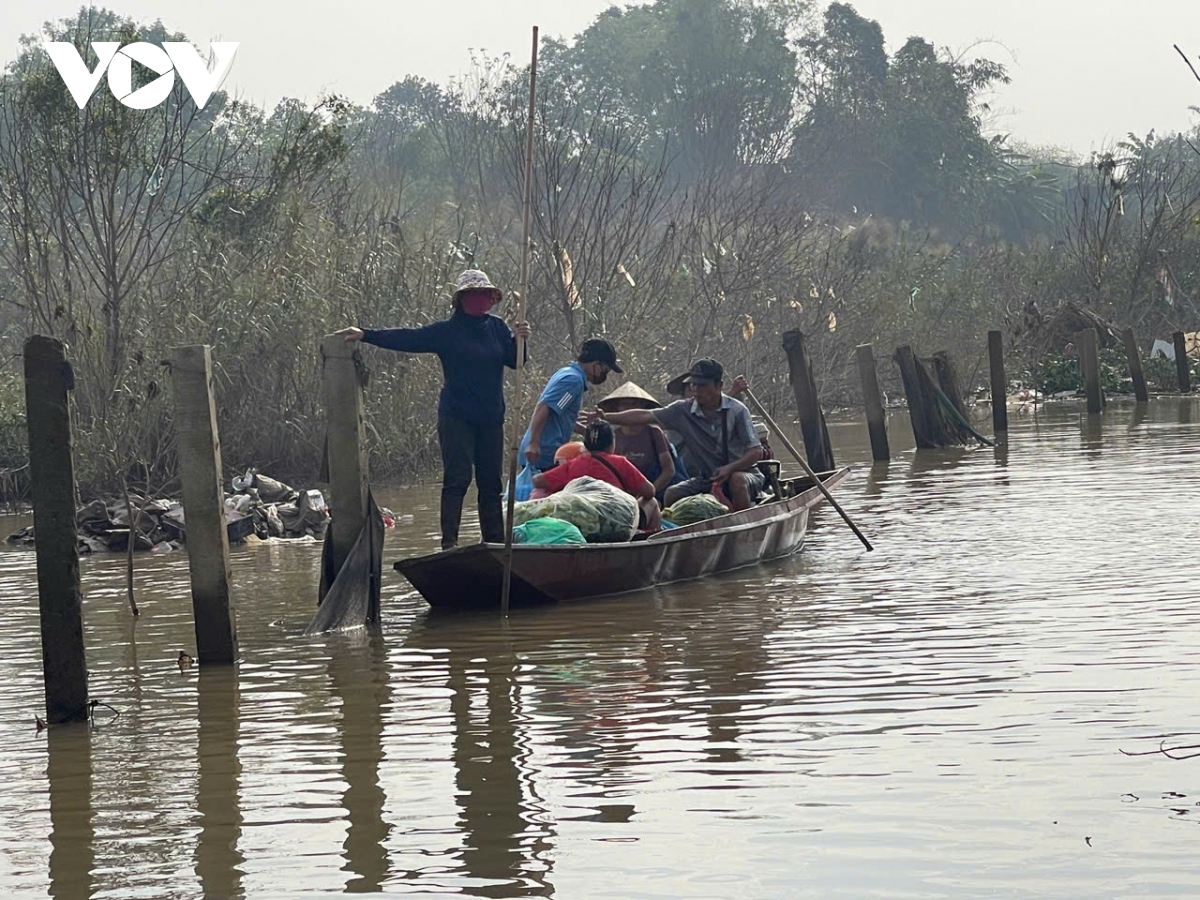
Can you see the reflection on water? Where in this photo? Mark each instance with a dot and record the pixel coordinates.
(72, 833)
(218, 861)
(505, 841)
(941, 717)
(357, 675)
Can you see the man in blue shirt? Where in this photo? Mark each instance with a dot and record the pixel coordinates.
(474, 347)
(557, 410)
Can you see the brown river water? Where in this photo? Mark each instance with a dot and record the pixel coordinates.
(940, 718)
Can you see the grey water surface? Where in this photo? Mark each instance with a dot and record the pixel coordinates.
(940, 718)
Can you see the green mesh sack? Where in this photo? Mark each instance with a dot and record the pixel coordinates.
(547, 531)
(690, 510)
(603, 513)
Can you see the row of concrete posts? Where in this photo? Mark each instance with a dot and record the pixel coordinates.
(49, 379)
(932, 393)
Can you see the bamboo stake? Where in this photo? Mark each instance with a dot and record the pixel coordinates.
(775, 429)
(515, 442)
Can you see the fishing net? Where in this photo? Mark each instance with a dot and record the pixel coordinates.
(935, 421)
(349, 597)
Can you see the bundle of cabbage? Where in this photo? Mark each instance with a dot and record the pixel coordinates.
(602, 513)
(690, 510)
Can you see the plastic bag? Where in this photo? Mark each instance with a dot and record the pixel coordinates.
(603, 513)
(524, 483)
(547, 531)
(694, 509)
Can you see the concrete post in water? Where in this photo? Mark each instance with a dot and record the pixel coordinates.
(345, 433)
(1085, 341)
(48, 378)
(1135, 366)
(873, 402)
(999, 382)
(812, 420)
(203, 503)
(1181, 362)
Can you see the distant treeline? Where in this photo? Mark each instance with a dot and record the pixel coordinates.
(708, 174)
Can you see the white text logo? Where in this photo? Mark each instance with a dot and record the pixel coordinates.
(171, 58)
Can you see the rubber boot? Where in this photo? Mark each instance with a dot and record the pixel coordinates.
(451, 517)
(491, 520)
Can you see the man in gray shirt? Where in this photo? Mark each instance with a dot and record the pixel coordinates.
(719, 442)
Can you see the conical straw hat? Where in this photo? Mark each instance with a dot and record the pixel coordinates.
(676, 386)
(629, 391)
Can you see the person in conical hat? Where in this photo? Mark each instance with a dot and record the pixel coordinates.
(721, 449)
(474, 348)
(643, 445)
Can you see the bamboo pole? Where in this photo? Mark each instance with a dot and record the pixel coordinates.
(775, 429)
(514, 447)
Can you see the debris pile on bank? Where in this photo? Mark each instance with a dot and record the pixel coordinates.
(259, 505)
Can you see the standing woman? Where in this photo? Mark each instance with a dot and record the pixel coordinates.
(473, 347)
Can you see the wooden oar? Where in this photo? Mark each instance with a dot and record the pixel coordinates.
(515, 444)
(804, 465)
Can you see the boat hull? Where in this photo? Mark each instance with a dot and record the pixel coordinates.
(471, 577)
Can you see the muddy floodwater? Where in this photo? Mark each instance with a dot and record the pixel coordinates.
(940, 718)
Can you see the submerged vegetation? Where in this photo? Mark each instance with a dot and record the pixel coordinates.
(708, 174)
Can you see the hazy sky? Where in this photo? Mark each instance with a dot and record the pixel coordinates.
(1084, 71)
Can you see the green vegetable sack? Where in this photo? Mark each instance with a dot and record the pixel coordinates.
(603, 513)
(690, 510)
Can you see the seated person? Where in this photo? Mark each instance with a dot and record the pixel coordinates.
(568, 451)
(643, 445)
(719, 439)
(601, 463)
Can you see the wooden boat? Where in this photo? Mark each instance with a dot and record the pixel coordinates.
(471, 577)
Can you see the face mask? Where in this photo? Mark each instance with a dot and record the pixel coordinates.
(476, 303)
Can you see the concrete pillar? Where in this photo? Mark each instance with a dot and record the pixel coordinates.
(812, 420)
(203, 504)
(1133, 354)
(1181, 362)
(873, 403)
(345, 434)
(999, 382)
(1085, 341)
(48, 378)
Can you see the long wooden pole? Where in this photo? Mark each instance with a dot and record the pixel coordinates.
(515, 443)
(775, 429)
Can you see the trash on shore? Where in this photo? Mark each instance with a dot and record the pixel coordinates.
(259, 505)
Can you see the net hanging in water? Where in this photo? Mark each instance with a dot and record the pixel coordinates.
(349, 597)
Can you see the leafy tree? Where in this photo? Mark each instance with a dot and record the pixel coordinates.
(715, 79)
(899, 137)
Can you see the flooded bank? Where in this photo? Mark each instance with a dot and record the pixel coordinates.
(942, 717)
